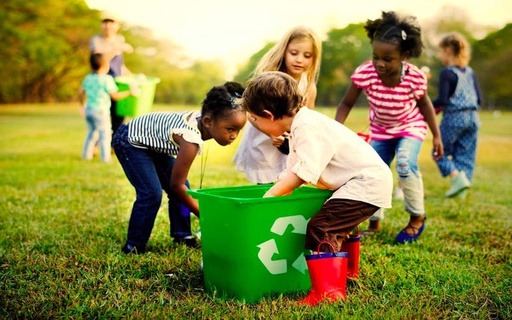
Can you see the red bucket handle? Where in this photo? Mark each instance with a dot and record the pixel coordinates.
(325, 242)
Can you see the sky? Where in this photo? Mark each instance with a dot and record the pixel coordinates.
(232, 30)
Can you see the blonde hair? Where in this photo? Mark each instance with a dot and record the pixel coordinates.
(460, 48)
(273, 60)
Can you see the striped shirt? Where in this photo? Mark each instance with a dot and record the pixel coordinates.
(393, 110)
(154, 131)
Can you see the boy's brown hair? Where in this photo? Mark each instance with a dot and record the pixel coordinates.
(274, 91)
(96, 60)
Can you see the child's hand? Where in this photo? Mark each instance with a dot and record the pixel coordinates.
(134, 90)
(277, 141)
(82, 110)
(438, 150)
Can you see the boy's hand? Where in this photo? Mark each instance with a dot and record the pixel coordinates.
(277, 141)
(134, 90)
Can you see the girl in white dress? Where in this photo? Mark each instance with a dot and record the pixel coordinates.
(297, 54)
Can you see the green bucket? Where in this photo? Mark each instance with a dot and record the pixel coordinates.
(252, 246)
(135, 106)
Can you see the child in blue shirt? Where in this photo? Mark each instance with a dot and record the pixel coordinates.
(97, 89)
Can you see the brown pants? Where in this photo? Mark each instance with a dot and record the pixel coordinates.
(336, 219)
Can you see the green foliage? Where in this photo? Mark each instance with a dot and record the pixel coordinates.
(44, 43)
(63, 221)
(182, 81)
(343, 51)
(247, 70)
(46, 47)
(492, 57)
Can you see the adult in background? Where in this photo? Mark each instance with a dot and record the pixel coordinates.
(112, 45)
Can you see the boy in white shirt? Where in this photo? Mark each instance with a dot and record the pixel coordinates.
(323, 153)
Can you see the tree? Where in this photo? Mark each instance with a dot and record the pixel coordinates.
(43, 43)
(342, 52)
(492, 58)
(247, 70)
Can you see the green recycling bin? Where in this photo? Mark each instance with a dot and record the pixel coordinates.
(252, 246)
(135, 106)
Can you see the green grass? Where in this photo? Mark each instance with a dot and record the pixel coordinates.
(63, 221)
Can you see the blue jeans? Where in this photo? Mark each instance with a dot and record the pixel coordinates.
(149, 172)
(406, 151)
(100, 123)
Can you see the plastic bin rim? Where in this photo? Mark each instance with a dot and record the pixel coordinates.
(129, 79)
(201, 193)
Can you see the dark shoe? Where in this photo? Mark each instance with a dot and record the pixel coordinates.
(128, 248)
(402, 237)
(189, 242)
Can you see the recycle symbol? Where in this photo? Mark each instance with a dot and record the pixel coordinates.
(269, 247)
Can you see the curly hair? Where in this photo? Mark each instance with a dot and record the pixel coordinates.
(404, 31)
(221, 100)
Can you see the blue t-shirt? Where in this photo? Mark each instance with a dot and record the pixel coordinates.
(97, 88)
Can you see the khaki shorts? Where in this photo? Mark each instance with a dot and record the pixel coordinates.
(336, 219)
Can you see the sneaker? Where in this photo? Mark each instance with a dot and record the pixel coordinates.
(459, 183)
(189, 242)
(128, 248)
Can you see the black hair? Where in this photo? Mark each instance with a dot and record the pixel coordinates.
(222, 99)
(96, 60)
(404, 31)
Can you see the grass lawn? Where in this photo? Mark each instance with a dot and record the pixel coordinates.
(63, 221)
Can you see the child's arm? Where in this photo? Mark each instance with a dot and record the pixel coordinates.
(119, 95)
(180, 170)
(347, 103)
(285, 186)
(427, 110)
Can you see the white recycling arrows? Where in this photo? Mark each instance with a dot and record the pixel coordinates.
(299, 224)
(269, 247)
(267, 250)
